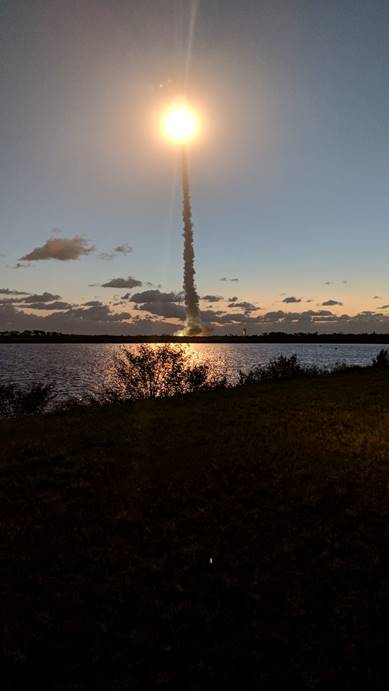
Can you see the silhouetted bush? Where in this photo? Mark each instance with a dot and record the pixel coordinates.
(381, 359)
(157, 372)
(281, 367)
(16, 401)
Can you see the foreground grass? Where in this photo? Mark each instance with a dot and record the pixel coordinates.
(231, 540)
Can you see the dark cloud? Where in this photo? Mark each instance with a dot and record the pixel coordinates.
(170, 310)
(57, 305)
(246, 306)
(331, 303)
(63, 249)
(212, 298)
(93, 303)
(328, 283)
(123, 249)
(376, 297)
(291, 299)
(43, 297)
(155, 296)
(122, 283)
(384, 307)
(9, 291)
(232, 280)
(233, 299)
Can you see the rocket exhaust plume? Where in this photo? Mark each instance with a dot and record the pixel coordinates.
(193, 324)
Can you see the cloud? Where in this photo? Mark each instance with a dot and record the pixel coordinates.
(9, 291)
(232, 280)
(233, 299)
(328, 283)
(246, 306)
(63, 249)
(384, 307)
(123, 249)
(106, 256)
(164, 309)
(376, 297)
(43, 297)
(122, 283)
(331, 303)
(19, 265)
(155, 296)
(212, 298)
(291, 299)
(93, 303)
(57, 305)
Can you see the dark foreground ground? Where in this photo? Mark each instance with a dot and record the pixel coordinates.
(233, 540)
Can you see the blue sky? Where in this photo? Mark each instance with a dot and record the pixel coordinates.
(289, 174)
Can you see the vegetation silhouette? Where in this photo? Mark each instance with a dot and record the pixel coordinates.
(161, 372)
(157, 372)
(18, 401)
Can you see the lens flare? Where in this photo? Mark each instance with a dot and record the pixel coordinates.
(181, 124)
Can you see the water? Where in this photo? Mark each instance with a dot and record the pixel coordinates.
(80, 369)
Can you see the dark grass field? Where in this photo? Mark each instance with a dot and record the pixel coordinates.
(231, 540)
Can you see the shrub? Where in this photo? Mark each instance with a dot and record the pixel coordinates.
(17, 401)
(157, 372)
(381, 359)
(282, 367)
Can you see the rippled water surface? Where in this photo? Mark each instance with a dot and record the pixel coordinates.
(79, 369)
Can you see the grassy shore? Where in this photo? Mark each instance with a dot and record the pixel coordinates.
(230, 540)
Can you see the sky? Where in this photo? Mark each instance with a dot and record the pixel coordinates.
(289, 172)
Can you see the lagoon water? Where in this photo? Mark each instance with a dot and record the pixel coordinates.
(79, 369)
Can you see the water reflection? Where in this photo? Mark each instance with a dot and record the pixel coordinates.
(80, 369)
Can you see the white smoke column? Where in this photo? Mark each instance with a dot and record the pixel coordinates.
(193, 325)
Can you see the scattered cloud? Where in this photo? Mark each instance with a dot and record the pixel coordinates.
(331, 303)
(384, 307)
(164, 309)
(56, 305)
(245, 306)
(328, 283)
(43, 297)
(106, 256)
(63, 249)
(155, 296)
(123, 249)
(232, 280)
(376, 297)
(19, 265)
(9, 291)
(291, 299)
(122, 283)
(212, 298)
(233, 299)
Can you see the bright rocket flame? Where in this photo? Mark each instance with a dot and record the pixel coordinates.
(181, 124)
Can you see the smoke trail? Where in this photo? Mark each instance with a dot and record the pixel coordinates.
(193, 325)
(191, 32)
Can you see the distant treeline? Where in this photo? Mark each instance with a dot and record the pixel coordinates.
(270, 337)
